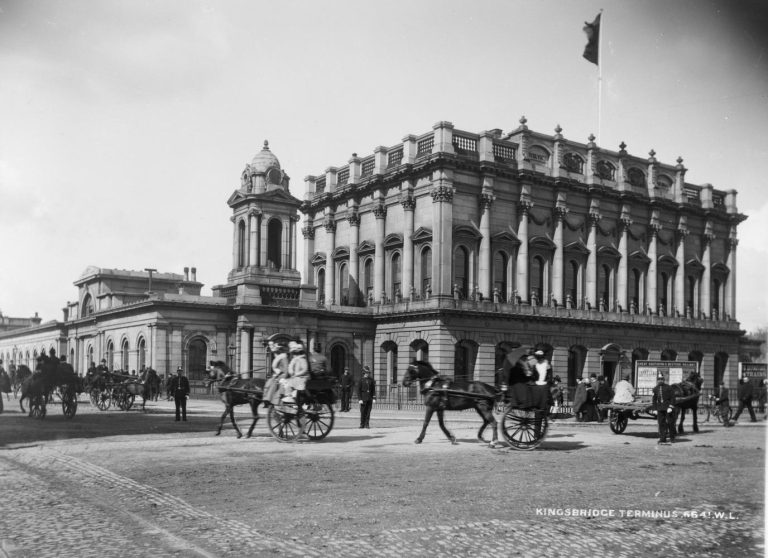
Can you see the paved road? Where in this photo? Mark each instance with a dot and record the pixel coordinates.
(57, 501)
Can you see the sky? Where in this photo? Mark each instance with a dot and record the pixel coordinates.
(124, 126)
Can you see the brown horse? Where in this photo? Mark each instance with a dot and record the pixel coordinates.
(445, 394)
(236, 391)
(687, 397)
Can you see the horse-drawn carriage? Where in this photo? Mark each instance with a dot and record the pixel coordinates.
(311, 415)
(52, 380)
(523, 408)
(106, 389)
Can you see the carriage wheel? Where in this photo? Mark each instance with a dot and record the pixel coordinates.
(524, 429)
(103, 401)
(125, 401)
(69, 403)
(94, 395)
(319, 420)
(37, 406)
(283, 422)
(618, 421)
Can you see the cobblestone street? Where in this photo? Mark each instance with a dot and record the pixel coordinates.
(61, 499)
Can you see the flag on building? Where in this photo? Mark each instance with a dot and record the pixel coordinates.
(593, 40)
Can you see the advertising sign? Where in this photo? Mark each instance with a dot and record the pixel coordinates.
(674, 371)
(755, 371)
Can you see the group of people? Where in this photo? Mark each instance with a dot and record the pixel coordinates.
(592, 391)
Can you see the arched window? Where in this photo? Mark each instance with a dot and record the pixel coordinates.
(321, 285)
(343, 284)
(577, 356)
(419, 350)
(465, 352)
(110, 356)
(368, 279)
(397, 276)
(604, 281)
(124, 356)
(390, 361)
(634, 289)
(461, 271)
(142, 350)
(500, 261)
(87, 308)
(537, 280)
(196, 360)
(715, 310)
(663, 293)
(241, 245)
(274, 243)
(690, 303)
(572, 284)
(426, 270)
(91, 357)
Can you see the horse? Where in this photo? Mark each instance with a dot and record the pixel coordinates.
(21, 373)
(49, 374)
(445, 394)
(687, 397)
(236, 391)
(150, 378)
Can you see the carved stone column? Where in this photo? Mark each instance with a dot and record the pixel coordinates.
(485, 277)
(706, 276)
(252, 242)
(442, 235)
(521, 285)
(354, 260)
(679, 302)
(380, 213)
(409, 205)
(623, 272)
(330, 266)
(557, 260)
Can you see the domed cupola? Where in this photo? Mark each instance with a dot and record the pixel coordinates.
(264, 172)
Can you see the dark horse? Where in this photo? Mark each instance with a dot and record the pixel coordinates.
(236, 391)
(445, 394)
(687, 397)
(50, 373)
(18, 376)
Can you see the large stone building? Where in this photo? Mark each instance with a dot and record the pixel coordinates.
(450, 246)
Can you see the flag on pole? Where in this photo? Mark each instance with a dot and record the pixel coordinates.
(593, 40)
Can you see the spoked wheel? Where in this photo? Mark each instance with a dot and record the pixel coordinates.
(283, 422)
(125, 401)
(37, 406)
(524, 429)
(618, 421)
(724, 417)
(103, 400)
(319, 420)
(69, 403)
(94, 396)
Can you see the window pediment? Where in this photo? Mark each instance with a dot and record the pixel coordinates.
(422, 235)
(609, 251)
(467, 231)
(640, 256)
(366, 247)
(542, 242)
(318, 258)
(393, 240)
(341, 252)
(577, 247)
(505, 237)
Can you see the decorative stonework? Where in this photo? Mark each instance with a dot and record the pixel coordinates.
(380, 211)
(354, 219)
(330, 225)
(486, 201)
(408, 203)
(442, 194)
(308, 231)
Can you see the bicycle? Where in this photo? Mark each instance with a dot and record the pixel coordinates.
(714, 409)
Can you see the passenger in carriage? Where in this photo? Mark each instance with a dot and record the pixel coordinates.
(543, 376)
(625, 391)
(272, 389)
(298, 374)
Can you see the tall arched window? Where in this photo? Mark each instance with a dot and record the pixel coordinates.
(368, 279)
(426, 270)
(142, 350)
(274, 243)
(343, 284)
(572, 284)
(721, 362)
(338, 360)
(461, 271)
(110, 356)
(715, 309)
(605, 287)
(663, 292)
(690, 304)
(390, 361)
(537, 279)
(321, 285)
(124, 356)
(465, 352)
(87, 308)
(500, 261)
(241, 244)
(397, 276)
(634, 289)
(196, 360)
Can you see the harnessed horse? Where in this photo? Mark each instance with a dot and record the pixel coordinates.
(445, 394)
(236, 391)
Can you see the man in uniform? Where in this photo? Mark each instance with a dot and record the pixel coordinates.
(367, 393)
(666, 412)
(180, 388)
(347, 383)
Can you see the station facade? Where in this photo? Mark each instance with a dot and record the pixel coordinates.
(449, 246)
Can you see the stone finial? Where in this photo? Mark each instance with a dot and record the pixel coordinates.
(523, 121)
(622, 148)
(652, 157)
(558, 129)
(680, 163)
(591, 143)
(266, 145)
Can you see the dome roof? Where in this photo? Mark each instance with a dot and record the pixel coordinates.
(264, 160)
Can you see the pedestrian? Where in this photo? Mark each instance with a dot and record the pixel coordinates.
(746, 392)
(347, 382)
(579, 398)
(318, 363)
(556, 394)
(604, 396)
(298, 374)
(666, 413)
(762, 396)
(180, 387)
(625, 391)
(367, 397)
(589, 408)
(723, 401)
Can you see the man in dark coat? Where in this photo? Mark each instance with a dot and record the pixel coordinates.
(367, 396)
(746, 392)
(604, 396)
(666, 412)
(347, 382)
(180, 389)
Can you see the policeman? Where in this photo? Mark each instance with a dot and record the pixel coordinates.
(666, 412)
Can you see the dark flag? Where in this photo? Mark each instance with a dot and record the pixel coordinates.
(593, 40)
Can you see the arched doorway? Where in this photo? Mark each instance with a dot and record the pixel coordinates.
(196, 354)
(610, 356)
(338, 360)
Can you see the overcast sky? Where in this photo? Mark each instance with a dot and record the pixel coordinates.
(124, 126)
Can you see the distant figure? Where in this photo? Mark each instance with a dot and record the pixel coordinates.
(367, 396)
(180, 388)
(347, 383)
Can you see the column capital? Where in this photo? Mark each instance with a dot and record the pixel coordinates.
(559, 212)
(330, 225)
(408, 203)
(654, 228)
(354, 219)
(733, 242)
(254, 212)
(308, 231)
(524, 206)
(442, 193)
(380, 211)
(594, 218)
(486, 200)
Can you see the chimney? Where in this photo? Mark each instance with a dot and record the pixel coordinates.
(194, 274)
(186, 274)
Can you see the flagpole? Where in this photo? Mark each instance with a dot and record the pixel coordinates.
(600, 78)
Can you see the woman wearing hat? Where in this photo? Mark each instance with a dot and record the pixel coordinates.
(279, 372)
(298, 372)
